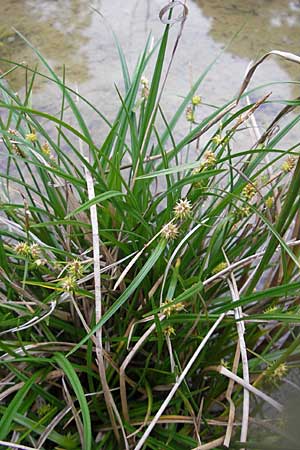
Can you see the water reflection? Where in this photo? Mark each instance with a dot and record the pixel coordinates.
(56, 28)
(268, 25)
(69, 32)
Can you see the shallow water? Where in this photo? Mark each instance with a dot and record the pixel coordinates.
(70, 33)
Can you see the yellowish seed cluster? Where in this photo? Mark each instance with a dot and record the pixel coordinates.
(269, 202)
(217, 139)
(190, 110)
(145, 87)
(75, 269)
(170, 231)
(190, 114)
(17, 150)
(196, 100)
(288, 164)
(219, 267)
(210, 159)
(29, 251)
(197, 170)
(280, 371)
(249, 191)
(169, 330)
(46, 149)
(242, 213)
(35, 251)
(172, 308)
(69, 283)
(182, 209)
(31, 137)
(23, 249)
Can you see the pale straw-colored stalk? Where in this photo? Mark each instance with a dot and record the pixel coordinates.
(178, 383)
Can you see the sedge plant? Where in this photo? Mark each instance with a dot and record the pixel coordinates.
(146, 300)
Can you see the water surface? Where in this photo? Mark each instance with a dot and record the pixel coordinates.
(70, 33)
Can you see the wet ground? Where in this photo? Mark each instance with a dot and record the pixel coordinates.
(70, 33)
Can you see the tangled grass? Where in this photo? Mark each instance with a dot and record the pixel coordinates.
(145, 302)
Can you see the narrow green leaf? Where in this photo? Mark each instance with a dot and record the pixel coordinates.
(176, 169)
(126, 294)
(76, 385)
(279, 229)
(67, 442)
(14, 406)
(97, 199)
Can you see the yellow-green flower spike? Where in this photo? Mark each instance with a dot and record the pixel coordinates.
(196, 100)
(219, 267)
(288, 164)
(31, 137)
(189, 114)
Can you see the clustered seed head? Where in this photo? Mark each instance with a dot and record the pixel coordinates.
(145, 89)
(170, 231)
(14, 147)
(31, 137)
(178, 307)
(196, 100)
(144, 81)
(182, 209)
(145, 93)
(280, 371)
(34, 251)
(169, 330)
(217, 139)
(249, 191)
(17, 150)
(40, 262)
(242, 213)
(269, 202)
(29, 251)
(197, 170)
(23, 249)
(58, 265)
(224, 363)
(46, 149)
(189, 114)
(288, 164)
(219, 267)
(172, 308)
(210, 159)
(69, 283)
(75, 269)
(190, 110)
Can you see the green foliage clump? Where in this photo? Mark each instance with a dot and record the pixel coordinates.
(120, 263)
